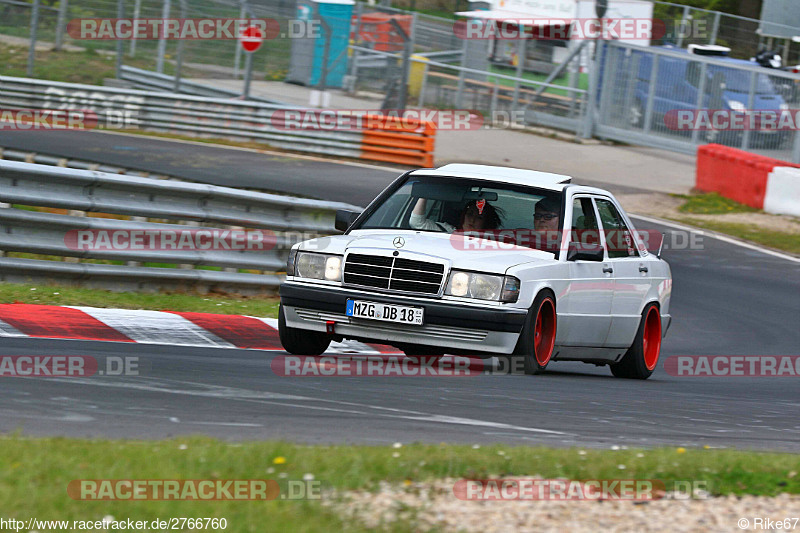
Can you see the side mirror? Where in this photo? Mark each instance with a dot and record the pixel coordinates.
(345, 219)
(579, 251)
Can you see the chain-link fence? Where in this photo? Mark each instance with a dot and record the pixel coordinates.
(668, 98)
(408, 58)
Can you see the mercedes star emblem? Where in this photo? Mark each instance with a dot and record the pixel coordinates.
(399, 242)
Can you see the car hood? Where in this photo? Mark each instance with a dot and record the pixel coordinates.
(491, 257)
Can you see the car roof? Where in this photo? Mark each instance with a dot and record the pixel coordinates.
(515, 176)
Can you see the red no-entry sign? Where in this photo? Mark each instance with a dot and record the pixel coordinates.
(251, 39)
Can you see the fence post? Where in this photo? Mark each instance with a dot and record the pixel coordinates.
(651, 95)
(63, 5)
(520, 66)
(357, 42)
(34, 27)
(179, 60)
(715, 29)
(237, 58)
(683, 25)
(751, 97)
(421, 98)
(162, 41)
(120, 14)
(701, 93)
(796, 147)
(137, 9)
(591, 95)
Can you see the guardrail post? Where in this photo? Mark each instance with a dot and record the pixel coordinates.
(34, 28)
(796, 147)
(63, 5)
(751, 97)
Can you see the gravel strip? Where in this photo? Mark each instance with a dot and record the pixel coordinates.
(433, 506)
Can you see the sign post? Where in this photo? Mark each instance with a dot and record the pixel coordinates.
(251, 40)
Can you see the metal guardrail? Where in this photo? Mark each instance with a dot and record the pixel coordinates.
(199, 205)
(216, 117)
(148, 79)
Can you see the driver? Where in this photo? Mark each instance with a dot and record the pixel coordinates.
(475, 216)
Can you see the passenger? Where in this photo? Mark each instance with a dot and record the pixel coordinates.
(477, 215)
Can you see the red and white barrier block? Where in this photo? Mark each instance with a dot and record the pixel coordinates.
(783, 191)
(751, 179)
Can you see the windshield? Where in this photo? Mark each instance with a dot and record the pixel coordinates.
(447, 205)
(738, 81)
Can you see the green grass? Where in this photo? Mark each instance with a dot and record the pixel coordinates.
(263, 306)
(44, 467)
(712, 204)
(779, 240)
(563, 81)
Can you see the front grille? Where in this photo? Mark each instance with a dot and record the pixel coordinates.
(393, 273)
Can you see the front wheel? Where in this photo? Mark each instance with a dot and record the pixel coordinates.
(538, 337)
(301, 341)
(641, 359)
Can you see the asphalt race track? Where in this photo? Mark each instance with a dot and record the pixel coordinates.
(727, 300)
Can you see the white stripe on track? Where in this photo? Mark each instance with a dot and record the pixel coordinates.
(7, 330)
(155, 327)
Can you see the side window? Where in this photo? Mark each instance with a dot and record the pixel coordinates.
(619, 240)
(584, 223)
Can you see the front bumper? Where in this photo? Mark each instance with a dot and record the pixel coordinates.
(447, 324)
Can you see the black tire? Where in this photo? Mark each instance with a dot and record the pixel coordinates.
(537, 340)
(641, 359)
(421, 354)
(301, 341)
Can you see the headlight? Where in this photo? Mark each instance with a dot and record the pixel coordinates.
(317, 266)
(737, 106)
(483, 286)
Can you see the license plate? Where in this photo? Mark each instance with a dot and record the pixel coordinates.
(385, 312)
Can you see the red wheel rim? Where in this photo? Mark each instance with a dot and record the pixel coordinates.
(651, 339)
(544, 332)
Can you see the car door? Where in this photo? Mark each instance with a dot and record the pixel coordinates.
(591, 287)
(631, 274)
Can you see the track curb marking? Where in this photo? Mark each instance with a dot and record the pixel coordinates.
(171, 328)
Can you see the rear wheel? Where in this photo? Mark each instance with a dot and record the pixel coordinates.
(538, 337)
(641, 359)
(301, 341)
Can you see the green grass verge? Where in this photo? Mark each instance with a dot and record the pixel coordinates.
(712, 203)
(262, 306)
(779, 240)
(44, 467)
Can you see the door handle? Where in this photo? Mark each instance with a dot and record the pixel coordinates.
(608, 270)
(642, 268)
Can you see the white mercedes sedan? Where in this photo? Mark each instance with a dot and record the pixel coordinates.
(484, 261)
